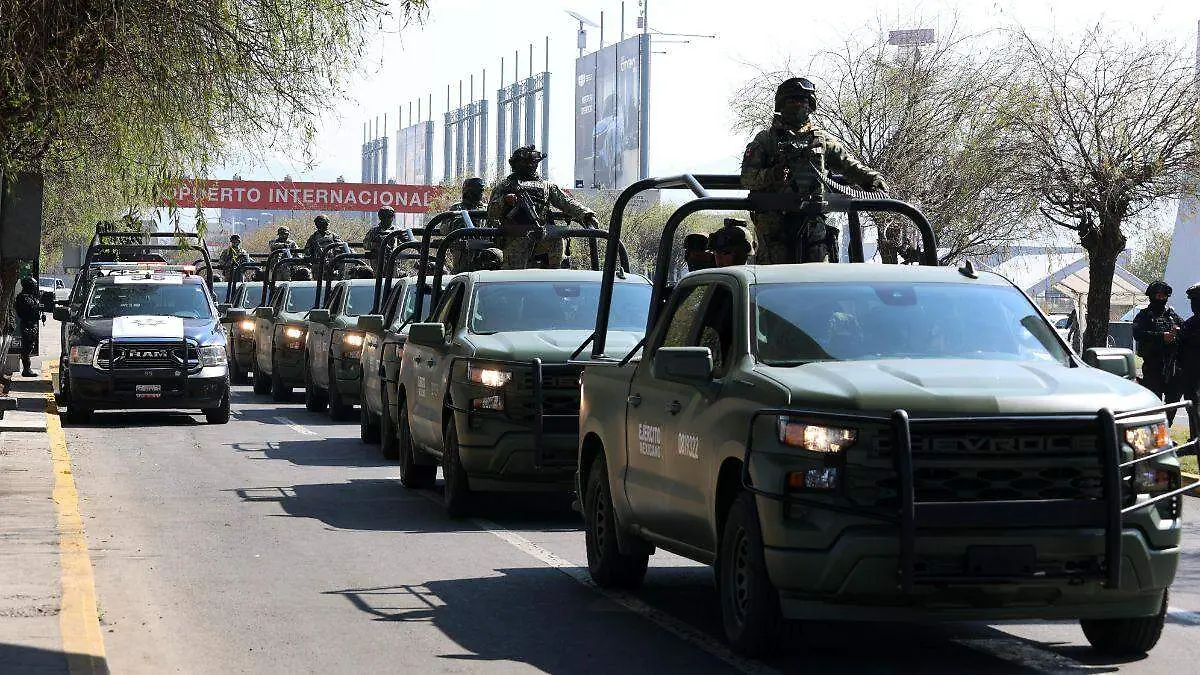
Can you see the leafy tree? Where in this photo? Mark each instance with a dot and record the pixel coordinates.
(113, 101)
(1110, 133)
(1149, 258)
(937, 122)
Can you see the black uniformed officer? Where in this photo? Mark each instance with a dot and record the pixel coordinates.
(1187, 370)
(1155, 329)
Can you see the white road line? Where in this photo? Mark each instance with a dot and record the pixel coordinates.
(1183, 616)
(300, 429)
(680, 629)
(1020, 652)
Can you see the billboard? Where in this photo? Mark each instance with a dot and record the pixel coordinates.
(609, 113)
(414, 154)
(289, 195)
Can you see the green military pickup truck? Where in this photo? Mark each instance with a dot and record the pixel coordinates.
(876, 442)
(485, 386)
(332, 369)
(280, 328)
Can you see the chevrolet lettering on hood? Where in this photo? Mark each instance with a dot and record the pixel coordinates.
(1008, 445)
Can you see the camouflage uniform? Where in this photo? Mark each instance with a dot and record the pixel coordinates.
(375, 235)
(231, 258)
(544, 196)
(462, 249)
(788, 158)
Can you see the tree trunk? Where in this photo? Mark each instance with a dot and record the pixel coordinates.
(1103, 245)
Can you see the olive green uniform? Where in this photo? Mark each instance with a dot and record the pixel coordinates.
(544, 195)
(806, 152)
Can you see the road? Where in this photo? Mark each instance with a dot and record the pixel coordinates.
(280, 543)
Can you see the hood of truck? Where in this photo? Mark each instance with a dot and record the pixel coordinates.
(153, 328)
(552, 346)
(957, 386)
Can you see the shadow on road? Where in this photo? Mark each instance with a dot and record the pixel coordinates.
(541, 618)
(23, 660)
(141, 418)
(384, 505)
(316, 452)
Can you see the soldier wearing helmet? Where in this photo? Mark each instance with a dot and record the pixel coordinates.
(283, 241)
(521, 206)
(375, 236)
(1155, 330)
(695, 252)
(320, 238)
(28, 309)
(732, 244)
(472, 200)
(790, 158)
(233, 256)
(1187, 372)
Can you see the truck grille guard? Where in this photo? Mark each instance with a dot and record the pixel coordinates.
(541, 457)
(1107, 513)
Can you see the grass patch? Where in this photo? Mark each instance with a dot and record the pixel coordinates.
(1189, 463)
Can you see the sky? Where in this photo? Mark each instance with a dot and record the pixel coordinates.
(691, 84)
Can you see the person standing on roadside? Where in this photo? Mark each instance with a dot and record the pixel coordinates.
(1187, 370)
(28, 308)
(1155, 329)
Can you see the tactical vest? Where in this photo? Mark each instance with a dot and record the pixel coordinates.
(804, 155)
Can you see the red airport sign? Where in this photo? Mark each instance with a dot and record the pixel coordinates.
(292, 196)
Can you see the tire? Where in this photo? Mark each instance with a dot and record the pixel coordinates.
(236, 374)
(339, 410)
(368, 425)
(750, 609)
(456, 495)
(1125, 637)
(314, 399)
(280, 392)
(389, 444)
(262, 382)
(76, 413)
(412, 475)
(608, 567)
(219, 414)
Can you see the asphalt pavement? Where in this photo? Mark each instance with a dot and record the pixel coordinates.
(280, 543)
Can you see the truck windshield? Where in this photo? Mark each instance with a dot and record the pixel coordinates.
(798, 323)
(108, 301)
(249, 297)
(300, 299)
(359, 300)
(503, 307)
(410, 305)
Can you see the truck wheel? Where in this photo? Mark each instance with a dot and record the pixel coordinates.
(76, 412)
(608, 567)
(389, 445)
(339, 410)
(749, 602)
(368, 426)
(219, 414)
(412, 475)
(1125, 637)
(456, 495)
(314, 399)
(280, 392)
(262, 383)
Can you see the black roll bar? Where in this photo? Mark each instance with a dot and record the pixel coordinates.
(319, 271)
(239, 271)
(383, 285)
(699, 185)
(272, 273)
(338, 260)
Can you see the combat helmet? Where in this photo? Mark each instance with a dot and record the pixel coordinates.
(1193, 292)
(734, 237)
(796, 87)
(526, 154)
(1158, 287)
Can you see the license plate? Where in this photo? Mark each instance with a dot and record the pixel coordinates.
(148, 389)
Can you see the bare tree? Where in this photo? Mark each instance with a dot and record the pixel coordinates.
(935, 120)
(1111, 131)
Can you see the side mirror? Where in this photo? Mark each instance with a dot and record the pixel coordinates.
(233, 315)
(264, 312)
(371, 323)
(1119, 362)
(62, 314)
(318, 315)
(687, 365)
(427, 334)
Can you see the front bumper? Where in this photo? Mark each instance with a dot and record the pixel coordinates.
(499, 455)
(99, 390)
(288, 365)
(243, 349)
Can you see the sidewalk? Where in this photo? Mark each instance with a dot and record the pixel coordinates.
(30, 578)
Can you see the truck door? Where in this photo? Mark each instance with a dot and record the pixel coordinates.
(429, 388)
(653, 416)
(702, 423)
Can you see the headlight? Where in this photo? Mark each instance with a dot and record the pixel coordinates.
(353, 340)
(293, 332)
(212, 356)
(247, 326)
(488, 377)
(816, 438)
(1148, 439)
(82, 356)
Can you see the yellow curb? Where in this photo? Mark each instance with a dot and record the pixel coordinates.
(78, 617)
